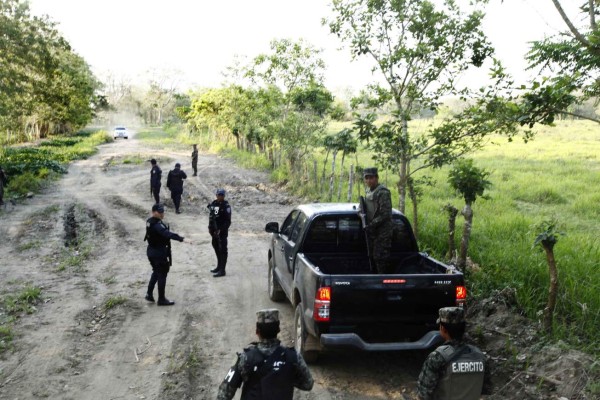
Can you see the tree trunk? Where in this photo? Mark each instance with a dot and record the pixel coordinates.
(341, 181)
(403, 170)
(552, 290)
(467, 212)
(415, 217)
(323, 174)
(350, 182)
(332, 177)
(316, 172)
(452, 213)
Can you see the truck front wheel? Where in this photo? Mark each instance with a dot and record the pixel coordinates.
(276, 293)
(310, 356)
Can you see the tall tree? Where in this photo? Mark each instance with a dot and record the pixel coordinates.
(420, 48)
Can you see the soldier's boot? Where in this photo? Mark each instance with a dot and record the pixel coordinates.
(221, 270)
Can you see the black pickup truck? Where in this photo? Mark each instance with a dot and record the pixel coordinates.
(318, 259)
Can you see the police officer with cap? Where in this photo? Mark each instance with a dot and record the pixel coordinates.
(155, 176)
(175, 184)
(379, 227)
(159, 253)
(219, 221)
(455, 370)
(266, 370)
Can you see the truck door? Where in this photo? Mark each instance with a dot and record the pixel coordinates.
(282, 246)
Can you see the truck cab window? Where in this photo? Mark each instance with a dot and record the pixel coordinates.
(286, 227)
(298, 227)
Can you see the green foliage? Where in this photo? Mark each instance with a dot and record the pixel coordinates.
(468, 180)
(114, 301)
(572, 61)
(28, 167)
(548, 233)
(46, 87)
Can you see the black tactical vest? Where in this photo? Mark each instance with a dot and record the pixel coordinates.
(463, 377)
(273, 376)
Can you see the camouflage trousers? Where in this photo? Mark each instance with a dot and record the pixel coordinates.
(381, 244)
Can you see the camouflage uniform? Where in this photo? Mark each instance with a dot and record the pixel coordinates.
(241, 373)
(379, 227)
(195, 160)
(437, 373)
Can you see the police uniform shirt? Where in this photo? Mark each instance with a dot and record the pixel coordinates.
(221, 212)
(241, 372)
(158, 236)
(155, 176)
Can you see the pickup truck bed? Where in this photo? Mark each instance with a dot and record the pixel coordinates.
(319, 261)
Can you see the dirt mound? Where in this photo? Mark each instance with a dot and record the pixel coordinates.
(524, 365)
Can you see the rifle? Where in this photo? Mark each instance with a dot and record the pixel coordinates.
(362, 213)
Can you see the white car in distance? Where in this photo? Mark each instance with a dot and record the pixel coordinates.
(120, 132)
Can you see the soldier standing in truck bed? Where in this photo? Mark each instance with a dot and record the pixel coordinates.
(379, 227)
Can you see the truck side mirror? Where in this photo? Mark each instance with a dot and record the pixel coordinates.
(272, 227)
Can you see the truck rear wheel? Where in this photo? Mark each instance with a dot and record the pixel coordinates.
(310, 356)
(275, 291)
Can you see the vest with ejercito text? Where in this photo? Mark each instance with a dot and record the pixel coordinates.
(272, 377)
(463, 377)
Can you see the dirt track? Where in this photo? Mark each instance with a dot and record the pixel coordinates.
(74, 347)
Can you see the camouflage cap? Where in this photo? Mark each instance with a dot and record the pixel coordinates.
(370, 172)
(267, 316)
(451, 315)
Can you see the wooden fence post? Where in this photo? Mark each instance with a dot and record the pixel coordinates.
(350, 182)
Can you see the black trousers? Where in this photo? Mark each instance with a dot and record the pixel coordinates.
(155, 193)
(176, 196)
(219, 244)
(160, 269)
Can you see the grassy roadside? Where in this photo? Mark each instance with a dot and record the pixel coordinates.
(13, 305)
(29, 167)
(555, 175)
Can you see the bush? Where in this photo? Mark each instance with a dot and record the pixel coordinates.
(23, 184)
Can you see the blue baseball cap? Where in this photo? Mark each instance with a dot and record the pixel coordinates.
(158, 207)
(220, 192)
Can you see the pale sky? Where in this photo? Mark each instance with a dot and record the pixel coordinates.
(200, 38)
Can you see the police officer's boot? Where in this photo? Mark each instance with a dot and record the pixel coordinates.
(221, 270)
(218, 267)
(162, 300)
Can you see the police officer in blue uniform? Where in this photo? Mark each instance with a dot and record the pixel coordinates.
(266, 370)
(175, 180)
(455, 370)
(159, 253)
(155, 176)
(219, 221)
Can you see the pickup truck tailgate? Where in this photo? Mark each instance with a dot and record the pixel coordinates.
(371, 304)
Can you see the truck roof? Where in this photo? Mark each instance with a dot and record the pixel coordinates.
(312, 209)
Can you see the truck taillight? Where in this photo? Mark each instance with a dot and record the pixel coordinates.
(461, 295)
(322, 303)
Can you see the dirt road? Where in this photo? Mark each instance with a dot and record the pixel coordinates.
(95, 337)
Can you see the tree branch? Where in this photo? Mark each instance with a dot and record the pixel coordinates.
(574, 30)
(578, 115)
(592, 12)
